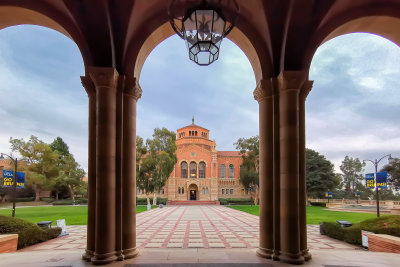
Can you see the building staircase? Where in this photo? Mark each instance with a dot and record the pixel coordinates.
(192, 202)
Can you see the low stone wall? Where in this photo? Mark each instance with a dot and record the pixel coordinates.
(8, 243)
(384, 243)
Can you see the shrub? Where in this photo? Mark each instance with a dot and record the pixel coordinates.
(143, 201)
(24, 199)
(318, 204)
(236, 201)
(47, 199)
(70, 202)
(28, 233)
(389, 225)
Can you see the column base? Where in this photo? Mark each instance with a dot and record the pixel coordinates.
(120, 255)
(130, 253)
(87, 256)
(100, 259)
(292, 258)
(306, 254)
(264, 252)
(275, 255)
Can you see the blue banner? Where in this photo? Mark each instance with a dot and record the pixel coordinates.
(8, 179)
(381, 179)
(357, 194)
(328, 194)
(370, 180)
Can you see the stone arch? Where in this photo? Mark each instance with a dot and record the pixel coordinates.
(165, 30)
(366, 22)
(15, 15)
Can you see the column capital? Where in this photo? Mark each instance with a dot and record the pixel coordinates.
(132, 88)
(291, 80)
(305, 90)
(88, 85)
(263, 90)
(103, 76)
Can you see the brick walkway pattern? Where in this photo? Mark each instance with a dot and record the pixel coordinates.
(191, 227)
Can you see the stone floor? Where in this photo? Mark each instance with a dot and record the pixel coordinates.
(187, 227)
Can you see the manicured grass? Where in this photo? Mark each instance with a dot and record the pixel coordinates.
(73, 215)
(315, 215)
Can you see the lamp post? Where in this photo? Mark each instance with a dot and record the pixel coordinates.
(15, 161)
(376, 162)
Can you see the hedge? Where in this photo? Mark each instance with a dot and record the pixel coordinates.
(28, 233)
(143, 201)
(24, 199)
(70, 202)
(389, 225)
(236, 201)
(48, 199)
(318, 204)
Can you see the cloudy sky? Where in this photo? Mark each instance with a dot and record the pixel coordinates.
(352, 110)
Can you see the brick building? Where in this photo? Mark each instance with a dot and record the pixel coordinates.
(201, 172)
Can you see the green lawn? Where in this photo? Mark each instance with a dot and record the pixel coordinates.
(73, 215)
(315, 215)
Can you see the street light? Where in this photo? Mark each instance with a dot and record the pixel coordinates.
(203, 27)
(15, 161)
(376, 162)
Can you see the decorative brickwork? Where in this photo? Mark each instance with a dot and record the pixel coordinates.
(384, 243)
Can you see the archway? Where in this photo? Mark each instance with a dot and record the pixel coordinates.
(355, 87)
(193, 192)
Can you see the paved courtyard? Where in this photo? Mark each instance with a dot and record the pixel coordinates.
(191, 227)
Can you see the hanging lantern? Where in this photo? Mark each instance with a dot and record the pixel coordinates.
(203, 27)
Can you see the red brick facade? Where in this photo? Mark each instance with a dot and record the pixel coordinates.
(202, 172)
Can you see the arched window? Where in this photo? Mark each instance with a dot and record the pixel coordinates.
(202, 170)
(179, 190)
(183, 191)
(193, 170)
(206, 190)
(162, 192)
(184, 169)
(231, 171)
(203, 191)
(223, 191)
(231, 191)
(222, 170)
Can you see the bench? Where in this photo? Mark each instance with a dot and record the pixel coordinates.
(45, 224)
(8, 243)
(383, 243)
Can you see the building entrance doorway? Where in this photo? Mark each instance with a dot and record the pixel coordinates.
(192, 195)
(192, 192)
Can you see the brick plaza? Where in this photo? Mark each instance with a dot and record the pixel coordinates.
(188, 227)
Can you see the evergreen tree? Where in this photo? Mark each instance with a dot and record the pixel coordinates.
(352, 177)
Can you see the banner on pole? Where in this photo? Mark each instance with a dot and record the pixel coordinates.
(381, 179)
(328, 194)
(8, 179)
(370, 180)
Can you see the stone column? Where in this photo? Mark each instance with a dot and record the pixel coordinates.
(302, 169)
(263, 94)
(105, 81)
(132, 92)
(91, 221)
(290, 83)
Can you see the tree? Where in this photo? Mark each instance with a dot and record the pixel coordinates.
(156, 162)
(44, 162)
(249, 173)
(58, 145)
(393, 169)
(351, 169)
(320, 174)
(71, 175)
